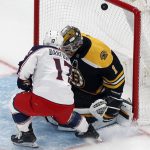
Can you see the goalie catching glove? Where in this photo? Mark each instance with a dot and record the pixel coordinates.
(107, 109)
(112, 108)
(98, 109)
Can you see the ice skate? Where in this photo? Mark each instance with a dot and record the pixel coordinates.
(26, 139)
(91, 133)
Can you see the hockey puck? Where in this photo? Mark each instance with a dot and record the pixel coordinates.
(104, 6)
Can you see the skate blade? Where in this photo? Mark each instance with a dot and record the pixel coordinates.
(99, 140)
(27, 144)
(92, 141)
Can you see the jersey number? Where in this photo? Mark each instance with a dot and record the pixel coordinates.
(59, 68)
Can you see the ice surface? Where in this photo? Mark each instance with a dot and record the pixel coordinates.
(49, 138)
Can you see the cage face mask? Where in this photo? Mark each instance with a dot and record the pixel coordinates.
(72, 39)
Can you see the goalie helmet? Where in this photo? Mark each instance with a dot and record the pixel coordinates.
(53, 38)
(72, 40)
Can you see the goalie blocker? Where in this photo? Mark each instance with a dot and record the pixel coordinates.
(99, 114)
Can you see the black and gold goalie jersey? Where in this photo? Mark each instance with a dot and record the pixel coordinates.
(96, 67)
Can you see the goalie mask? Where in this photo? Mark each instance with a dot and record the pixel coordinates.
(72, 40)
(53, 38)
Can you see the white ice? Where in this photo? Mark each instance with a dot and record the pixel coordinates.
(16, 31)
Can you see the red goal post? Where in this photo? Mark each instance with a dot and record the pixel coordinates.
(49, 6)
(136, 52)
(36, 22)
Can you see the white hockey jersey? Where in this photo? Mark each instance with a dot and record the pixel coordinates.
(50, 69)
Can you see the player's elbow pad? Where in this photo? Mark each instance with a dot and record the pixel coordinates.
(25, 85)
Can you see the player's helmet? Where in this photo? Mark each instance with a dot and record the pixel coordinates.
(53, 38)
(72, 40)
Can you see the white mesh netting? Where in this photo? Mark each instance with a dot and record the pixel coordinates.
(114, 26)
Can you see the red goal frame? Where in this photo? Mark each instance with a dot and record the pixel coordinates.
(136, 46)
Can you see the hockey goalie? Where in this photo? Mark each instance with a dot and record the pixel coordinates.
(97, 80)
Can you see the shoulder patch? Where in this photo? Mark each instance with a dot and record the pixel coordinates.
(99, 54)
(103, 55)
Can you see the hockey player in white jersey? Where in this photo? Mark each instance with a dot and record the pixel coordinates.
(43, 76)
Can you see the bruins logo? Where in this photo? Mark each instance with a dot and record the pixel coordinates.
(76, 77)
(103, 55)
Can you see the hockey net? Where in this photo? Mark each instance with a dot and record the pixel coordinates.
(124, 26)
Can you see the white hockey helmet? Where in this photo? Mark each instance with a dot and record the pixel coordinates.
(72, 40)
(53, 38)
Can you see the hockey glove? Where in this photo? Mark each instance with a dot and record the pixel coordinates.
(25, 85)
(114, 104)
(125, 115)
